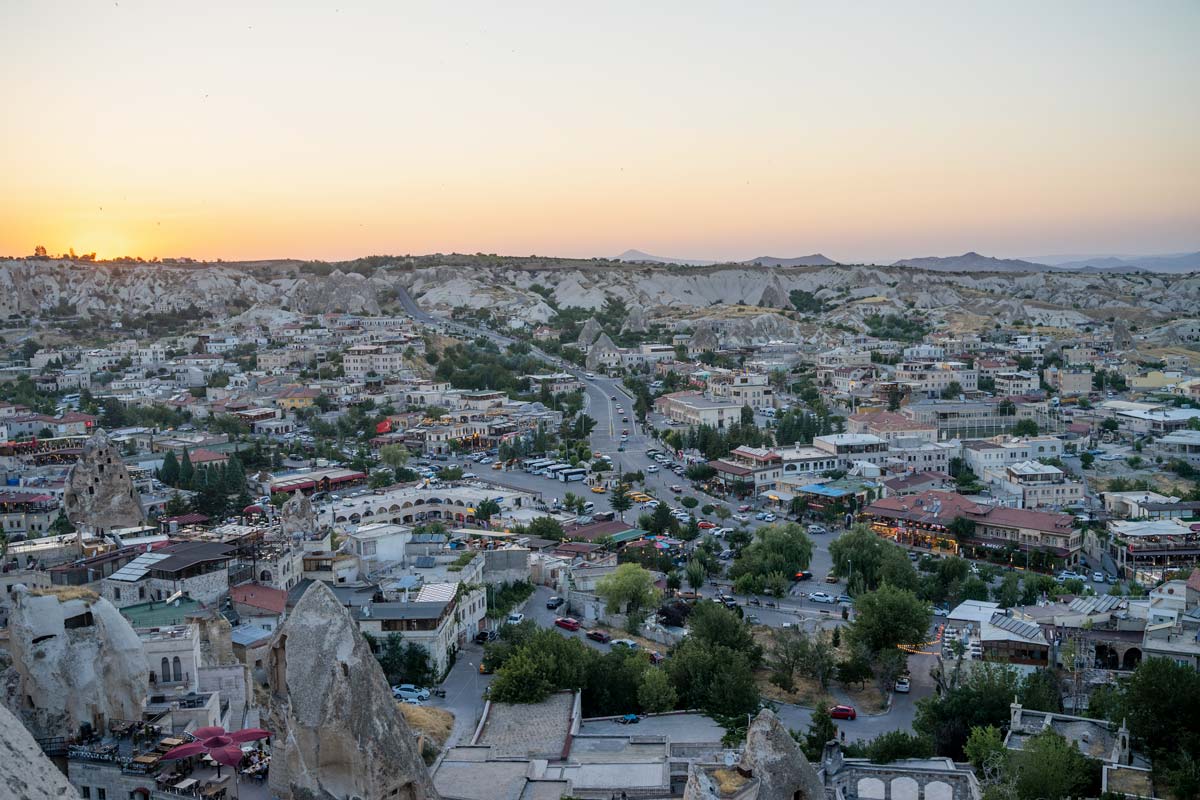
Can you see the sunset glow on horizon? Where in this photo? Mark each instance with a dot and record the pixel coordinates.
(701, 130)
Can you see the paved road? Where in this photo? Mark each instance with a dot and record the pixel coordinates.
(609, 403)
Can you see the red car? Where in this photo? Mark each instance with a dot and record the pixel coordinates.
(843, 712)
(603, 637)
(567, 623)
(743, 507)
(705, 524)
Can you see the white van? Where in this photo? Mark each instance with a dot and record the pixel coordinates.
(589, 507)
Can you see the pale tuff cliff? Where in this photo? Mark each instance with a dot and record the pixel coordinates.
(506, 286)
(772, 767)
(75, 660)
(99, 494)
(25, 771)
(338, 731)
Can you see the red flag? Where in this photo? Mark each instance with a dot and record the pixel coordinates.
(384, 427)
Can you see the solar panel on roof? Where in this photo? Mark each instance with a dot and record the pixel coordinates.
(1020, 627)
(425, 562)
(136, 570)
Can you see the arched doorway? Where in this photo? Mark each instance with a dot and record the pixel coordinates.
(1133, 657)
(1107, 658)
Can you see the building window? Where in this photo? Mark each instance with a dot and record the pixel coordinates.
(85, 792)
(101, 794)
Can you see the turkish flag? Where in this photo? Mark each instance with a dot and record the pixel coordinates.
(384, 426)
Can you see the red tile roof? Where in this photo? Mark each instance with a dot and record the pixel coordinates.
(258, 596)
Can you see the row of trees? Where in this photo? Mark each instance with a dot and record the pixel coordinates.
(712, 669)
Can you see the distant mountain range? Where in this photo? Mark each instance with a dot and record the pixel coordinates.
(971, 262)
(968, 262)
(815, 260)
(1174, 262)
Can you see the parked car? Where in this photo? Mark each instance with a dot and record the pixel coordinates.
(483, 637)
(653, 468)
(940, 612)
(676, 488)
(567, 623)
(760, 516)
(407, 691)
(706, 525)
(822, 597)
(516, 618)
(655, 657)
(630, 643)
(741, 517)
(604, 637)
(902, 685)
(843, 712)
(845, 598)
(744, 507)
(554, 602)
(770, 517)
(1098, 577)
(817, 529)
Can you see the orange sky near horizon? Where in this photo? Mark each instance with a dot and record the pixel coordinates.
(697, 130)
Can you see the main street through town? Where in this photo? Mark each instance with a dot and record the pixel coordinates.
(609, 403)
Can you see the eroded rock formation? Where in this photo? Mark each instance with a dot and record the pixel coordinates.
(25, 771)
(297, 517)
(635, 322)
(99, 494)
(338, 732)
(589, 333)
(76, 660)
(772, 762)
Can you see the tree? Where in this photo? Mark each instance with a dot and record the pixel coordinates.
(1110, 425)
(655, 693)
(897, 745)
(820, 730)
(187, 473)
(620, 500)
(952, 390)
(981, 696)
(1008, 593)
(629, 589)
(855, 669)
(786, 656)
(1086, 460)
(234, 476)
(1025, 427)
(889, 616)
(1049, 766)
(872, 560)
(545, 528)
(714, 625)
(694, 573)
(61, 525)
(785, 549)
(717, 679)
(168, 473)
(985, 747)
(973, 588)
(1041, 691)
(486, 509)
(394, 455)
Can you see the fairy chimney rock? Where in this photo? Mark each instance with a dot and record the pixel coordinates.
(338, 730)
(76, 659)
(297, 517)
(99, 494)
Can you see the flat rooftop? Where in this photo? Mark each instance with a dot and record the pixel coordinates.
(533, 730)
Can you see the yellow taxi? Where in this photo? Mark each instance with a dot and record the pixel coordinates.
(599, 490)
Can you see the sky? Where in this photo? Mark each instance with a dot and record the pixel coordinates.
(865, 131)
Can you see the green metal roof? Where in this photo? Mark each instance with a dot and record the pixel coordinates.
(157, 614)
(627, 536)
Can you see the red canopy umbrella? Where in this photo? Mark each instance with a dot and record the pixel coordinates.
(221, 746)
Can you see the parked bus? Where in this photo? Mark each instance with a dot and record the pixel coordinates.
(569, 474)
(553, 470)
(534, 464)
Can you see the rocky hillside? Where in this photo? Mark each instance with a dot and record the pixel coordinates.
(526, 288)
